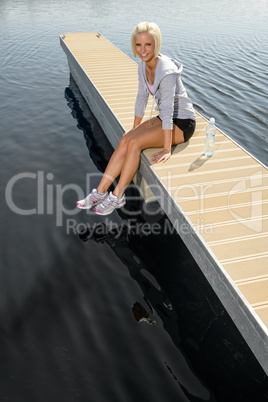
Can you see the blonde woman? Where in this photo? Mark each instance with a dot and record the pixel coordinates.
(159, 76)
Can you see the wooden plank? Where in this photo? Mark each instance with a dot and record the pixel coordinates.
(263, 313)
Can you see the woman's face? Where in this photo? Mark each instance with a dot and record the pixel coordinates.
(145, 46)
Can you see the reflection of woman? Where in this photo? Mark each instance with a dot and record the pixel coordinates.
(159, 76)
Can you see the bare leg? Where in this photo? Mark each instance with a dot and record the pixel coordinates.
(152, 137)
(113, 169)
(116, 162)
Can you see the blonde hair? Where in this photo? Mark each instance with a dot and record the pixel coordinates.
(152, 29)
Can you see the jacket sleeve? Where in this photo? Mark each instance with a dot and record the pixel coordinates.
(142, 95)
(166, 103)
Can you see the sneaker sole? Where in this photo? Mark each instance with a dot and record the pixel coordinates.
(109, 212)
(91, 206)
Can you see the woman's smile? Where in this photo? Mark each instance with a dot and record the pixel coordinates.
(145, 46)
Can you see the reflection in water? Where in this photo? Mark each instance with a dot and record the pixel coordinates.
(188, 308)
(100, 150)
(141, 314)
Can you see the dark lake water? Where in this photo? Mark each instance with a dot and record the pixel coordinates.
(69, 304)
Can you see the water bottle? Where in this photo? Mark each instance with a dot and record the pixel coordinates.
(210, 138)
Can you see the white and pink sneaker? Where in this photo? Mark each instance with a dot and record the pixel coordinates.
(110, 204)
(92, 200)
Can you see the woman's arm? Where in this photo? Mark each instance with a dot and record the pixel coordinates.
(165, 154)
(167, 89)
(137, 121)
(167, 140)
(167, 96)
(142, 95)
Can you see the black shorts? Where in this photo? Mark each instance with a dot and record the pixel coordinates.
(186, 125)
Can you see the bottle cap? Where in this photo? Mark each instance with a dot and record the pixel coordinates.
(212, 120)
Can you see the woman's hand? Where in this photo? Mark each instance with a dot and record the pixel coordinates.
(165, 154)
(161, 156)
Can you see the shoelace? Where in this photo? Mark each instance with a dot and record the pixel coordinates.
(92, 196)
(109, 201)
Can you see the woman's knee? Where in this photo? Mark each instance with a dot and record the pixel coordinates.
(133, 145)
(123, 144)
(127, 144)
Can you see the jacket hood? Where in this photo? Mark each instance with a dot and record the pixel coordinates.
(165, 66)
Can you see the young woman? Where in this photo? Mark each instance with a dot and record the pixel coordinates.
(159, 76)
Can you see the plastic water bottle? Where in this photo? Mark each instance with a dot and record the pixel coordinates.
(210, 138)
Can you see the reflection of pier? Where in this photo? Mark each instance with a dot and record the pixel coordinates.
(177, 297)
(218, 205)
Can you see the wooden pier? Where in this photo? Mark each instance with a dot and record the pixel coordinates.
(218, 204)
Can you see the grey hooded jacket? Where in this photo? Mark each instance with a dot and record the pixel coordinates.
(169, 92)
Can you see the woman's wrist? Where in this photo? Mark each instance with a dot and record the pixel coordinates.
(167, 140)
(137, 121)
